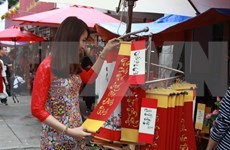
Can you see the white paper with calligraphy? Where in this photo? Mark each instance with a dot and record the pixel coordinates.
(103, 79)
(112, 127)
(137, 63)
(147, 120)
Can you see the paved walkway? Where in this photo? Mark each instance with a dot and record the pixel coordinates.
(18, 129)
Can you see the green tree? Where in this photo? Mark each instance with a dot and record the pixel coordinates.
(12, 3)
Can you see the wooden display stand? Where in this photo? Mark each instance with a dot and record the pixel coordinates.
(108, 145)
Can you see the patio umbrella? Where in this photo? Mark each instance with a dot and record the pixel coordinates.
(16, 34)
(177, 7)
(54, 17)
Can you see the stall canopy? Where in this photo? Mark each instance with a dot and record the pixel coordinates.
(54, 17)
(178, 31)
(170, 27)
(212, 16)
(110, 30)
(204, 5)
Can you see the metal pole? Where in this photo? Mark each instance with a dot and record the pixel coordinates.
(130, 14)
(149, 48)
(194, 7)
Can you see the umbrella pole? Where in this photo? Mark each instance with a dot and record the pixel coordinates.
(130, 14)
(15, 55)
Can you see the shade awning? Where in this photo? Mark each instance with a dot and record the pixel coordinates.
(210, 17)
(109, 30)
(169, 30)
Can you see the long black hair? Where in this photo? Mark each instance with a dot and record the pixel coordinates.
(65, 48)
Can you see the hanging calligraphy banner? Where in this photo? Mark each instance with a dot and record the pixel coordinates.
(115, 91)
(137, 63)
(187, 134)
(161, 132)
(147, 120)
(130, 110)
(178, 119)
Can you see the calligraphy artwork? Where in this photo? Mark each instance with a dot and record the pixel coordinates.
(115, 91)
(130, 110)
(147, 120)
(137, 63)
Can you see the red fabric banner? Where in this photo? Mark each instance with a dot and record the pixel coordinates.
(147, 120)
(115, 91)
(130, 110)
(187, 131)
(117, 88)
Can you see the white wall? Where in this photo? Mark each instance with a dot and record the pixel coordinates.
(3, 10)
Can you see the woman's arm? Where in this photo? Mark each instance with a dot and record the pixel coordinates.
(91, 75)
(111, 45)
(40, 90)
(74, 132)
(211, 144)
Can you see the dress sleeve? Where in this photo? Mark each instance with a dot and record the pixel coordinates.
(222, 121)
(40, 90)
(88, 76)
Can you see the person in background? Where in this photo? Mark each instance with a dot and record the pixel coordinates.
(3, 81)
(8, 65)
(25, 67)
(58, 79)
(220, 132)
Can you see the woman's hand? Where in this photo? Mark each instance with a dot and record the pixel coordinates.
(78, 132)
(111, 45)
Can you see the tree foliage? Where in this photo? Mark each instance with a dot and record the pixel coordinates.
(12, 3)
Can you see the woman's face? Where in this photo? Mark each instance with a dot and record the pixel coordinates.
(82, 41)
